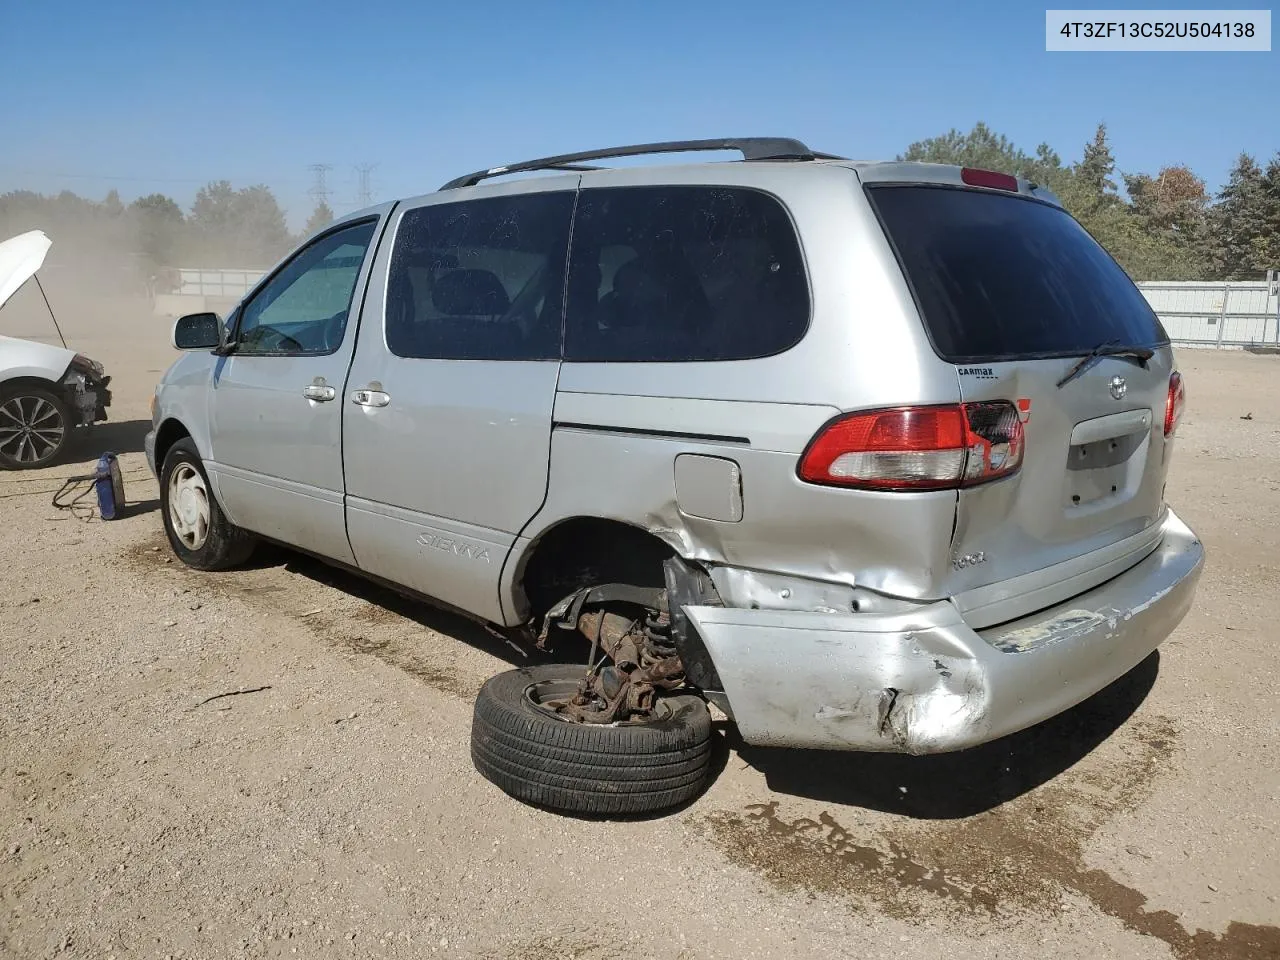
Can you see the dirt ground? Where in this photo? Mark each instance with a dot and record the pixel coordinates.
(331, 810)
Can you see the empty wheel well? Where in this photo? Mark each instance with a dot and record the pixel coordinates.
(17, 384)
(585, 551)
(169, 433)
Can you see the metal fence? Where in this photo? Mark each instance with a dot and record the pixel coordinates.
(1218, 314)
(220, 283)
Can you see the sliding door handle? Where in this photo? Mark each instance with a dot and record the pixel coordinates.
(370, 398)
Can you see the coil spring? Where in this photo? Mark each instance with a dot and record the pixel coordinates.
(657, 634)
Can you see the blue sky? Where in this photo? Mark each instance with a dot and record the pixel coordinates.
(147, 96)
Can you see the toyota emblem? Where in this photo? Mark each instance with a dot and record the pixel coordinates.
(1119, 388)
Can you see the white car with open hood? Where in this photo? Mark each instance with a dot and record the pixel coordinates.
(46, 392)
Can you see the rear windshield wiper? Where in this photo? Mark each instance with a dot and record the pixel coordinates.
(1108, 348)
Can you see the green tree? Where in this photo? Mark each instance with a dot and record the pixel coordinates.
(158, 224)
(243, 227)
(157, 205)
(1092, 175)
(322, 216)
(983, 148)
(1267, 246)
(1238, 235)
(112, 206)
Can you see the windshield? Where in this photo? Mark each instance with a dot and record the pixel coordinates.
(999, 277)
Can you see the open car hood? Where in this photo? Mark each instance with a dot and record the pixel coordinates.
(20, 258)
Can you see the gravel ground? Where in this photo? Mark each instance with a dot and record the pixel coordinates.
(329, 807)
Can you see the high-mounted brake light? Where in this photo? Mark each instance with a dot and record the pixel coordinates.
(989, 178)
(916, 448)
(1174, 404)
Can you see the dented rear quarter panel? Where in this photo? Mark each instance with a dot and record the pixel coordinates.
(618, 427)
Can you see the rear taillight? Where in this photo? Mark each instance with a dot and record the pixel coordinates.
(989, 178)
(1174, 404)
(916, 448)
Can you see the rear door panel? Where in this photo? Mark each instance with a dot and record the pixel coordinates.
(463, 347)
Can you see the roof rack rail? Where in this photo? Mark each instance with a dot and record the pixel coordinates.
(751, 148)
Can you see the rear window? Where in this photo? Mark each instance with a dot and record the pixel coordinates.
(683, 273)
(999, 277)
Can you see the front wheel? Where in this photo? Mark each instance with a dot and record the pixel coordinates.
(35, 426)
(199, 532)
(521, 745)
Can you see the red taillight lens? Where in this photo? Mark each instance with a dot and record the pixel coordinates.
(1175, 403)
(916, 448)
(989, 178)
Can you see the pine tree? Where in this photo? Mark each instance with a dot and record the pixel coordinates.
(1238, 237)
(322, 216)
(1093, 172)
(112, 206)
(1267, 245)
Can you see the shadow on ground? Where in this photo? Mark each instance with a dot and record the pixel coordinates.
(137, 509)
(939, 787)
(955, 785)
(116, 436)
(422, 611)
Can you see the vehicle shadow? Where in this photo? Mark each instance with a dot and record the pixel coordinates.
(955, 785)
(137, 509)
(421, 611)
(939, 787)
(117, 436)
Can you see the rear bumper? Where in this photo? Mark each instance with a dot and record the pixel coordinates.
(924, 681)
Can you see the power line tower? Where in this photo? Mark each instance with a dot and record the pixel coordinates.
(365, 195)
(320, 188)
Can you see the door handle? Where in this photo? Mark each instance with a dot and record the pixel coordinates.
(370, 398)
(318, 391)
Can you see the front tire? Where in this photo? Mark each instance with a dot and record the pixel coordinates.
(199, 532)
(537, 757)
(35, 427)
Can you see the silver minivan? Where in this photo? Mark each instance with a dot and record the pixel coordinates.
(870, 456)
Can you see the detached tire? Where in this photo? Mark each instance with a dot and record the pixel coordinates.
(587, 768)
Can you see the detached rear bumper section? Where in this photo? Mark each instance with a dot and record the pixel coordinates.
(924, 681)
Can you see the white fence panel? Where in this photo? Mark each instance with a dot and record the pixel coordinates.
(216, 282)
(1223, 314)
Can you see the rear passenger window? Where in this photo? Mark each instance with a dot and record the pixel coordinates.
(1003, 277)
(480, 279)
(683, 273)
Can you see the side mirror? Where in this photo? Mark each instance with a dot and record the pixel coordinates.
(197, 331)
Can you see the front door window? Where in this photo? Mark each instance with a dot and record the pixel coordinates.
(302, 310)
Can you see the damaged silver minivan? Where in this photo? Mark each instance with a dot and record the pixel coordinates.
(872, 456)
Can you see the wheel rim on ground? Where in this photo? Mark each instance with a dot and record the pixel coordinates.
(188, 506)
(31, 429)
(541, 694)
